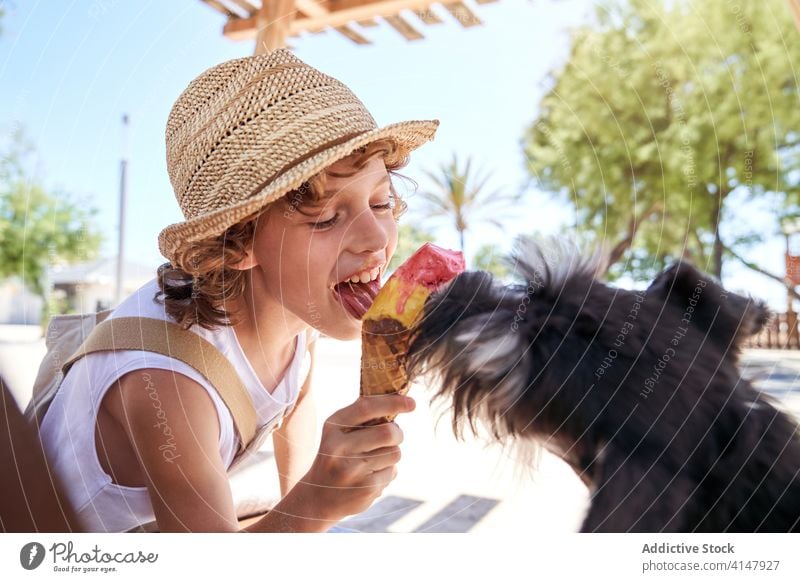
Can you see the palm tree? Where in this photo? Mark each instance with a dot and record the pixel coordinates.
(459, 194)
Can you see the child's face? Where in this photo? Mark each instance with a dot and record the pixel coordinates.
(303, 255)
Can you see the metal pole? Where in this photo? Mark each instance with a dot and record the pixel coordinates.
(123, 187)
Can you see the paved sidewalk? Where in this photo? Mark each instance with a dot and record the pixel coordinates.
(776, 372)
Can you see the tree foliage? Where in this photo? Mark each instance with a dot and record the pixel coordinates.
(39, 228)
(490, 258)
(409, 239)
(663, 109)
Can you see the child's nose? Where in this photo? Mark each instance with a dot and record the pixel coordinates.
(370, 233)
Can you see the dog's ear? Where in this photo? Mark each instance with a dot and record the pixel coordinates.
(725, 316)
(680, 283)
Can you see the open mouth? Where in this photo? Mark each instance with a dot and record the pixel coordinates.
(357, 297)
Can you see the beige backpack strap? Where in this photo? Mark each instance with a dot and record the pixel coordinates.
(169, 339)
(304, 373)
(309, 334)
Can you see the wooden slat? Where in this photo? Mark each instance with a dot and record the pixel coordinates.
(463, 14)
(343, 12)
(485, 1)
(428, 16)
(273, 19)
(246, 7)
(368, 22)
(312, 8)
(779, 332)
(246, 28)
(240, 28)
(219, 7)
(348, 32)
(400, 25)
(794, 6)
(339, 5)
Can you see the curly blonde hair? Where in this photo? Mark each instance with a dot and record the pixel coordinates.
(196, 285)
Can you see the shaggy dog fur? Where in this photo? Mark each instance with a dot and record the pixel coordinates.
(639, 391)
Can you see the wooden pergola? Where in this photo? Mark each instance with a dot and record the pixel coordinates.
(794, 6)
(271, 22)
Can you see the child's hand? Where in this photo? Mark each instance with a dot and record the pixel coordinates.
(353, 467)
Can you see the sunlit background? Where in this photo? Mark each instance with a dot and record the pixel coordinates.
(613, 123)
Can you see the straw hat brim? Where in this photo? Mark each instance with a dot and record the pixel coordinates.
(409, 135)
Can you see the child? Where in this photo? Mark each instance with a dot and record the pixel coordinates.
(285, 183)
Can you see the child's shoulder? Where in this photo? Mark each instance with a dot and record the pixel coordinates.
(142, 303)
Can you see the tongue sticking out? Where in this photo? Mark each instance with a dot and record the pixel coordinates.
(357, 297)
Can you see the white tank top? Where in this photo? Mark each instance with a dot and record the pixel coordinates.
(68, 428)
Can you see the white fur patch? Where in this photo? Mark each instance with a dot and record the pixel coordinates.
(493, 355)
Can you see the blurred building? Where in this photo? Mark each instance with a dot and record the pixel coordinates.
(18, 305)
(89, 287)
(85, 287)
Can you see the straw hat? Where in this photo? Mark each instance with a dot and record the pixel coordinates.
(247, 131)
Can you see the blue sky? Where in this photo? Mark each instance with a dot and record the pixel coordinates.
(69, 70)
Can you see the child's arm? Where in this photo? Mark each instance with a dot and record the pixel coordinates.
(295, 441)
(177, 445)
(173, 428)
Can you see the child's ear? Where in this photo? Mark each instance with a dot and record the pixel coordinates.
(247, 263)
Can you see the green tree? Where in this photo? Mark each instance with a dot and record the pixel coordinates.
(459, 195)
(490, 258)
(663, 110)
(39, 228)
(409, 239)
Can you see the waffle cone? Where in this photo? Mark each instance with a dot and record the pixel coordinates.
(384, 343)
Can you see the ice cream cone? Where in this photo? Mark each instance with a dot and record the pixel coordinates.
(387, 325)
(384, 344)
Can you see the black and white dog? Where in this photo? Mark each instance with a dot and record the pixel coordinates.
(639, 392)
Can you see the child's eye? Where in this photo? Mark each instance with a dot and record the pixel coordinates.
(326, 223)
(330, 222)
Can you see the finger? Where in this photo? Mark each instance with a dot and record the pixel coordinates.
(372, 438)
(365, 464)
(382, 458)
(368, 408)
(347, 443)
(382, 478)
